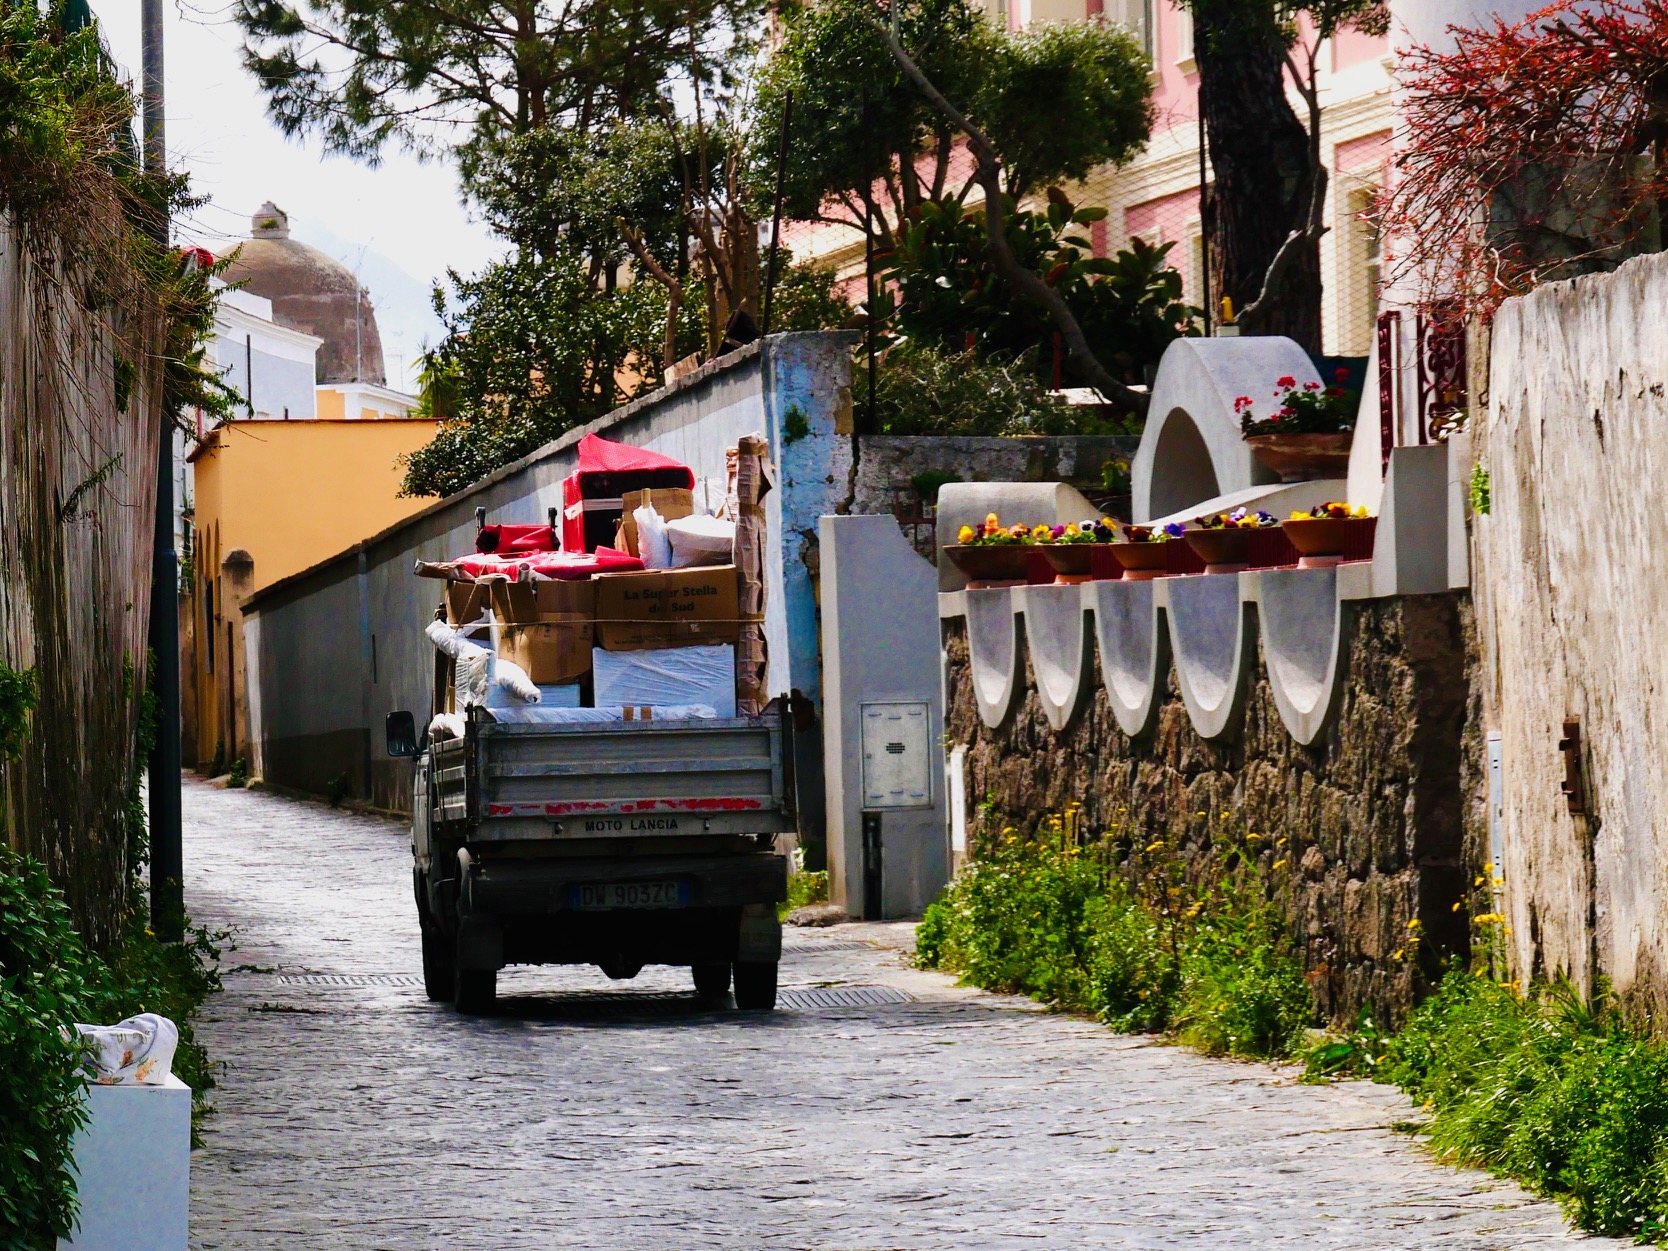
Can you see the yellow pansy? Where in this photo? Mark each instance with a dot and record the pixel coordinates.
(965, 535)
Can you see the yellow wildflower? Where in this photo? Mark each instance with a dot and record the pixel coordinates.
(1280, 864)
(1458, 904)
(1156, 846)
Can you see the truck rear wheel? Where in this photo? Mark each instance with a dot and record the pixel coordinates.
(439, 975)
(477, 991)
(711, 980)
(756, 985)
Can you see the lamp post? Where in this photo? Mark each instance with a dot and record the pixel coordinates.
(167, 857)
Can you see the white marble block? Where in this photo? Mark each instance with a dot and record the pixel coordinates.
(133, 1169)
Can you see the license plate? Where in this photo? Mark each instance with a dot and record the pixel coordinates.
(595, 896)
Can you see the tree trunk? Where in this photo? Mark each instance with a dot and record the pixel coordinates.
(1259, 154)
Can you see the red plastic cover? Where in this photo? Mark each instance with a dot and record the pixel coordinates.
(567, 566)
(599, 455)
(505, 540)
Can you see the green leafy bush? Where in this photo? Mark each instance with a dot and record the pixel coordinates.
(804, 889)
(48, 982)
(1057, 919)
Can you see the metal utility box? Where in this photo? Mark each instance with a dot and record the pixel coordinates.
(898, 756)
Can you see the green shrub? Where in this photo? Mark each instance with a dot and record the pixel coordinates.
(804, 889)
(48, 982)
(1054, 919)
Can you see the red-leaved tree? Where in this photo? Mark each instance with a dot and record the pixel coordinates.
(1534, 151)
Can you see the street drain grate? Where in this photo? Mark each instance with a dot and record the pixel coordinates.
(348, 979)
(814, 948)
(843, 997)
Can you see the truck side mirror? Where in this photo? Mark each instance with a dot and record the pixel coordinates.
(401, 730)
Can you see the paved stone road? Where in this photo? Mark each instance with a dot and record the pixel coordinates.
(354, 1114)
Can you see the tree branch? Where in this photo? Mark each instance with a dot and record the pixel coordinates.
(1026, 282)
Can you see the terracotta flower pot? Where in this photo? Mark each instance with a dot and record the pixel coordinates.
(1070, 559)
(1303, 457)
(1005, 562)
(1322, 541)
(1224, 550)
(1141, 560)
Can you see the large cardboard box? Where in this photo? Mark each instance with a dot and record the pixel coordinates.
(465, 601)
(670, 502)
(552, 652)
(667, 608)
(523, 603)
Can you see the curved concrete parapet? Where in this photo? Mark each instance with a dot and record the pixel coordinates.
(1213, 635)
(1304, 633)
(1057, 641)
(1192, 449)
(1134, 651)
(993, 652)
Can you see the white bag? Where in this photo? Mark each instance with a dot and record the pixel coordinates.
(701, 541)
(136, 1052)
(652, 547)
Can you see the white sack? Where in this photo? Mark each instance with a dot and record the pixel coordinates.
(652, 547)
(511, 685)
(668, 675)
(136, 1052)
(709, 498)
(447, 725)
(701, 541)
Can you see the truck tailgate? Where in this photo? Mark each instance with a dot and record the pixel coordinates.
(630, 778)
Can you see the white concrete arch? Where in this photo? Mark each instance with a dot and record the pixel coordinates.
(993, 643)
(1305, 631)
(1192, 449)
(1213, 634)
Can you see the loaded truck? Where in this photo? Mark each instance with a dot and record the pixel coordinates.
(618, 844)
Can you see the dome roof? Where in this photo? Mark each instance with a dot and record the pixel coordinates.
(313, 293)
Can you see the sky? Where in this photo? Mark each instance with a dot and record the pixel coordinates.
(400, 225)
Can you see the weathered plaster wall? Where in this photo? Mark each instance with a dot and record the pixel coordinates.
(888, 462)
(1572, 578)
(1373, 815)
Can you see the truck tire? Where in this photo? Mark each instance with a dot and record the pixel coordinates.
(711, 980)
(756, 985)
(476, 991)
(439, 973)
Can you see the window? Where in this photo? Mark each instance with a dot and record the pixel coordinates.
(1136, 16)
(1184, 40)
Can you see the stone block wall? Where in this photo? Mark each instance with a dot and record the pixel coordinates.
(1378, 818)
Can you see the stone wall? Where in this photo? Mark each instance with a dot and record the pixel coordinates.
(1374, 815)
(886, 463)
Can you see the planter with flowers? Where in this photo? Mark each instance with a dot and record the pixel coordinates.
(992, 552)
(1071, 548)
(1223, 541)
(1308, 434)
(1326, 534)
(1142, 551)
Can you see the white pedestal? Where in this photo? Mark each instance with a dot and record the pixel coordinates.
(133, 1169)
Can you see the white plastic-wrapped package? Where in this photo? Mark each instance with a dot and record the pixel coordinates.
(652, 546)
(698, 540)
(667, 675)
(563, 696)
(136, 1052)
(539, 715)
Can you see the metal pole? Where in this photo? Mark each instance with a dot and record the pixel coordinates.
(167, 857)
(1204, 220)
(871, 425)
(776, 215)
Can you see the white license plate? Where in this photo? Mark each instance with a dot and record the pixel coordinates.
(601, 895)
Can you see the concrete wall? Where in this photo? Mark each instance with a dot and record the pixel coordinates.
(1572, 590)
(342, 643)
(880, 645)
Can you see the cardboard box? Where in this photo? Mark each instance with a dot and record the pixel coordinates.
(523, 603)
(552, 652)
(670, 502)
(465, 601)
(667, 608)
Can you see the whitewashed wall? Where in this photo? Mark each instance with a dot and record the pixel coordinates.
(1571, 580)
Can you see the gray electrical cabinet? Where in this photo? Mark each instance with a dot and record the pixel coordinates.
(898, 756)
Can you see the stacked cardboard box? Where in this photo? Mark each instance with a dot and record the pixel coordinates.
(545, 627)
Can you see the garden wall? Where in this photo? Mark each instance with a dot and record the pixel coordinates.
(1572, 592)
(1375, 831)
(77, 498)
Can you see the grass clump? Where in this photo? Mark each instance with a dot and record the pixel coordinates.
(804, 889)
(1057, 919)
(1564, 1095)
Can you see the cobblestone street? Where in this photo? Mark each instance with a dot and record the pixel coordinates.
(352, 1113)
